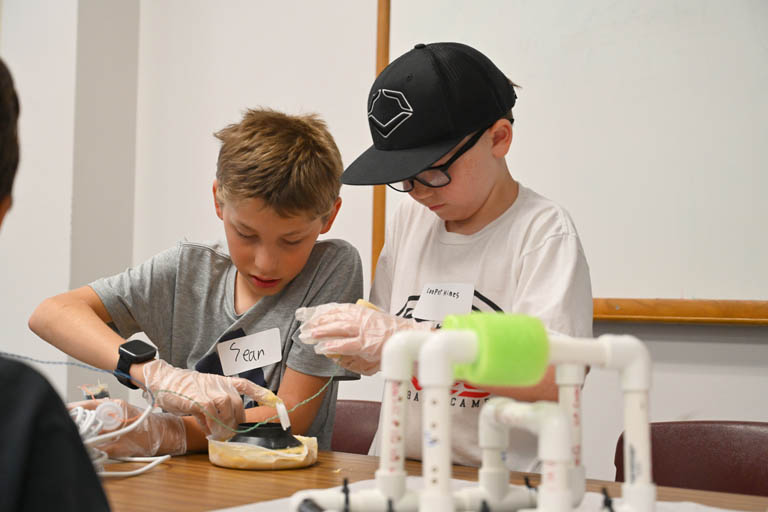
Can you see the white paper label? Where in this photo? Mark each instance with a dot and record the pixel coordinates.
(440, 299)
(249, 352)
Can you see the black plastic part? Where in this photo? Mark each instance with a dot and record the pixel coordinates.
(269, 435)
(607, 501)
(528, 483)
(345, 490)
(309, 505)
(484, 507)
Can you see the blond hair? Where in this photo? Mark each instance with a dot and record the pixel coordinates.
(289, 162)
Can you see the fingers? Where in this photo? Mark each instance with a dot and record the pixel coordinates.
(230, 412)
(262, 395)
(334, 348)
(339, 328)
(305, 314)
(359, 365)
(325, 313)
(203, 416)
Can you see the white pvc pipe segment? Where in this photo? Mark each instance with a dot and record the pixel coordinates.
(637, 438)
(398, 356)
(437, 356)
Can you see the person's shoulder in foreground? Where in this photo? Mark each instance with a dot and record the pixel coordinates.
(42, 458)
(43, 463)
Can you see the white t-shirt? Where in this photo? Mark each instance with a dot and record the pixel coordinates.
(529, 260)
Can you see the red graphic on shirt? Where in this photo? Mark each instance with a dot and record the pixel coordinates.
(459, 388)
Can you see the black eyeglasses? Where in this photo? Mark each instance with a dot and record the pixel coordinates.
(436, 176)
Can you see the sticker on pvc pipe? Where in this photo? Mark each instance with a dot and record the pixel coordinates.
(438, 300)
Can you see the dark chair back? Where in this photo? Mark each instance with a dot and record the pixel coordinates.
(355, 426)
(724, 456)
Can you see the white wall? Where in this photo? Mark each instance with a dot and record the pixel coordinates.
(104, 154)
(38, 43)
(646, 120)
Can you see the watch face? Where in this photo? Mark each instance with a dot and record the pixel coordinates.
(138, 350)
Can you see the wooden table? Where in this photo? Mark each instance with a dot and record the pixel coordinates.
(192, 483)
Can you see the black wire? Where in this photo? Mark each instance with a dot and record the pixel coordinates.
(345, 490)
(607, 501)
(528, 483)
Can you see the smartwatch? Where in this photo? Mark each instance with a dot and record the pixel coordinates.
(131, 352)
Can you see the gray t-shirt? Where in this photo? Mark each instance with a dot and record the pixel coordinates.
(183, 300)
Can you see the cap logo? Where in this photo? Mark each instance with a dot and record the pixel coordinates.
(388, 110)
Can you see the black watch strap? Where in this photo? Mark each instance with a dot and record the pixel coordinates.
(124, 369)
(132, 352)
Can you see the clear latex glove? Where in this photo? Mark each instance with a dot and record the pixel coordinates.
(355, 332)
(219, 396)
(158, 434)
(358, 364)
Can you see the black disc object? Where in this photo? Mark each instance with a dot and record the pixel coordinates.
(269, 435)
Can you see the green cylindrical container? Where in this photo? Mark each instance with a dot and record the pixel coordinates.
(513, 350)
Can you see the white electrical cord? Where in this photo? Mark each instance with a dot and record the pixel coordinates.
(109, 415)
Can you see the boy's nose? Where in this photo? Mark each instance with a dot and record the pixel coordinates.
(265, 262)
(420, 191)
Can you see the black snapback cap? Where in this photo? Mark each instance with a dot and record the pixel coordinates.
(422, 105)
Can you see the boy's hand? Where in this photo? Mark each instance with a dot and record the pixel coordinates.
(358, 364)
(355, 332)
(217, 395)
(158, 434)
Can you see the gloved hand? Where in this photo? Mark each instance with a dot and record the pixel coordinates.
(219, 396)
(358, 364)
(158, 434)
(355, 332)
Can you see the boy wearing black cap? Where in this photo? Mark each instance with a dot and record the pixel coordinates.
(474, 239)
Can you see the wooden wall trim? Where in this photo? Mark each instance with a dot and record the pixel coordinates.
(682, 311)
(380, 191)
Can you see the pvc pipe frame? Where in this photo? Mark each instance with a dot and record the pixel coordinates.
(549, 422)
(630, 357)
(442, 350)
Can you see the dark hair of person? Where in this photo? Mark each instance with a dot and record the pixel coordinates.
(9, 140)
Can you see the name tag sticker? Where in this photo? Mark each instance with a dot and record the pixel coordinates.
(438, 300)
(249, 352)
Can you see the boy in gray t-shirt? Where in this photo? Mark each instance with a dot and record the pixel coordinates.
(215, 310)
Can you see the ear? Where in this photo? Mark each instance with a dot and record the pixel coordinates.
(332, 217)
(216, 203)
(5, 205)
(501, 137)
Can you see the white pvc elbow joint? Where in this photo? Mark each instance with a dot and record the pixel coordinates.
(441, 351)
(630, 355)
(492, 432)
(399, 353)
(545, 419)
